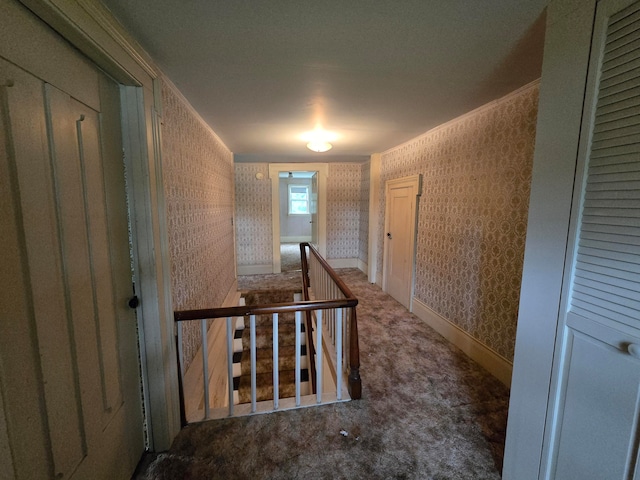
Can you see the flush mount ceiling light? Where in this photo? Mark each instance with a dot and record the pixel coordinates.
(319, 146)
(318, 140)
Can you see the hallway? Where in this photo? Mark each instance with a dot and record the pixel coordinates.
(427, 411)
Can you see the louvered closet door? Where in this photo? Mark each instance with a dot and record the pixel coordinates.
(595, 415)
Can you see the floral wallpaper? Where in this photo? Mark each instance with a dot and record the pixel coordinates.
(363, 239)
(254, 236)
(199, 191)
(472, 214)
(343, 210)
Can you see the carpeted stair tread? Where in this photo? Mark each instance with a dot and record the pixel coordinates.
(261, 297)
(264, 359)
(264, 385)
(262, 320)
(264, 336)
(264, 348)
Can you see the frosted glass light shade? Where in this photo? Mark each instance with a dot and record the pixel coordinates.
(319, 146)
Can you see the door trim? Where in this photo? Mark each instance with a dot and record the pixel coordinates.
(414, 181)
(323, 175)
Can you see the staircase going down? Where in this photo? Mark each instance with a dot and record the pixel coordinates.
(264, 350)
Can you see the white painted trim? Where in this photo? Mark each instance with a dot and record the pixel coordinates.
(297, 239)
(254, 269)
(493, 362)
(362, 266)
(562, 94)
(323, 175)
(158, 355)
(343, 262)
(89, 26)
(374, 215)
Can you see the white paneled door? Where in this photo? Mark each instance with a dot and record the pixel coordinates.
(70, 378)
(401, 199)
(592, 426)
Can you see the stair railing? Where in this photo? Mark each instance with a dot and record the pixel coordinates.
(332, 309)
(323, 283)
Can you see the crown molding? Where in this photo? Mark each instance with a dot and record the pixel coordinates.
(90, 27)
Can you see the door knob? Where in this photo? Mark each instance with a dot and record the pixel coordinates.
(389, 235)
(134, 302)
(634, 350)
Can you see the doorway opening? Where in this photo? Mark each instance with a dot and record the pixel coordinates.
(298, 211)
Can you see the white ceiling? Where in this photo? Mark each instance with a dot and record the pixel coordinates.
(375, 72)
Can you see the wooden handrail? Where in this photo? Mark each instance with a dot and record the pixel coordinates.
(246, 310)
(334, 276)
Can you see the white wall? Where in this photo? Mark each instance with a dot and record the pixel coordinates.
(293, 228)
(559, 112)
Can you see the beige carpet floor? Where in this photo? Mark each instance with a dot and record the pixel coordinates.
(427, 412)
(290, 257)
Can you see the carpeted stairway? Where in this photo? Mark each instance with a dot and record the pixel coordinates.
(264, 350)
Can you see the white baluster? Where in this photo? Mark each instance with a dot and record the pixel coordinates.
(276, 380)
(205, 367)
(298, 316)
(180, 351)
(319, 314)
(339, 354)
(230, 334)
(252, 331)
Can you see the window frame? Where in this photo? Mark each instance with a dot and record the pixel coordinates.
(289, 199)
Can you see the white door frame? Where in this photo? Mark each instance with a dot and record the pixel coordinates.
(414, 181)
(274, 175)
(89, 26)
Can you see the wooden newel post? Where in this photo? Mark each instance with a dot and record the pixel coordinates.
(355, 384)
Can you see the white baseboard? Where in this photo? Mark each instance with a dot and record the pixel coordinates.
(363, 267)
(496, 364)
(343, 262)
(295, 239)
(254, 269)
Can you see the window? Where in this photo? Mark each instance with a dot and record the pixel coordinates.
(298, 200)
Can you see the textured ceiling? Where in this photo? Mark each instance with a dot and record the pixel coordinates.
(375, 72)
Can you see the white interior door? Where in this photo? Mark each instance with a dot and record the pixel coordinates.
(593, 420)
(68, 345)
(401, 199)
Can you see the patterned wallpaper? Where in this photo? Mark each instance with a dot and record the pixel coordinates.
(199, 190)
(254, 236)
(343, 210)
(472, 214)
(363, 243)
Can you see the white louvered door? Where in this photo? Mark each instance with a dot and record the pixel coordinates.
(592, 426)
